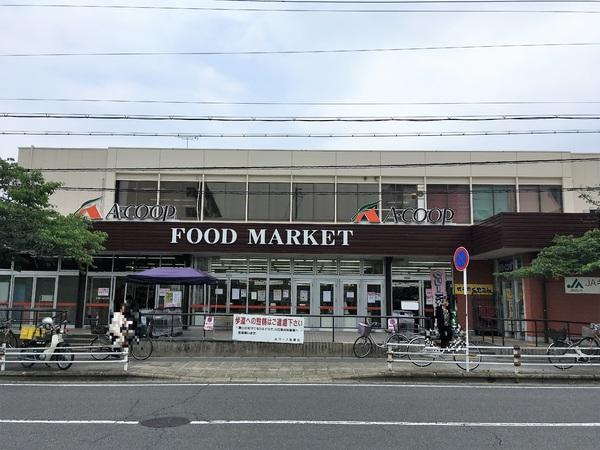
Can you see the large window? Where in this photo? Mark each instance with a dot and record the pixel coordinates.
(136, 192)
(454, 196)
(269, 201)
(399, 196)
(351, 196)
(183, 195)
(489, 200)
(313, 202)
(538, 198)
(225, 201)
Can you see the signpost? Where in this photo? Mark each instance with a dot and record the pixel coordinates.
(461, 262)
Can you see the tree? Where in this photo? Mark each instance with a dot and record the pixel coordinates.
(29, 225)
(567, 256)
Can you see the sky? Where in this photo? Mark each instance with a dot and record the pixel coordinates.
(563, 74)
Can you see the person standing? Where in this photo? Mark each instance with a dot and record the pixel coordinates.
(444, 325)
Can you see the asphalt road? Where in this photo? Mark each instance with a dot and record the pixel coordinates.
(326, 416)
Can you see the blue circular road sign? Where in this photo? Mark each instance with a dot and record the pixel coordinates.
(461, 258)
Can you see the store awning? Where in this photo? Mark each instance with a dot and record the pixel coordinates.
(172, 275)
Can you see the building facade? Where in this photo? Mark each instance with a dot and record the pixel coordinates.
(326, 233)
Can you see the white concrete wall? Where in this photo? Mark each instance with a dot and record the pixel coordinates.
(220, 164)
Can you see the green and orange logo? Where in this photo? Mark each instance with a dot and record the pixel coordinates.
(90, 210)
(368, 212)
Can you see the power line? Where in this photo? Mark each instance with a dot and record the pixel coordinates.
(294, 103)
(299, 52)
(318, 119)
(293, 135)
(320, 166)
(303, 10)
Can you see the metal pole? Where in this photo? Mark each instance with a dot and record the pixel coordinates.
(466, 315)
(3, 360)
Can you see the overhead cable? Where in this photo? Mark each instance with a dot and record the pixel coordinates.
(297, 103)
(297, 52)
(327, 166)
(300, 10)
(365, 119)
(189, 135)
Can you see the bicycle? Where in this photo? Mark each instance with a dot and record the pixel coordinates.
(7, 336)
(423, 350)
(564, 353)
(140, 346)
(365, 343)
(55, 349)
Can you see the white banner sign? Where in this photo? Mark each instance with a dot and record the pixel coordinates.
(278, 329)
(582, 285)
(438, 286)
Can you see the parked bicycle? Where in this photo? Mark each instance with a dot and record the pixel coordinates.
(564, 352)
(101, 346)
(47, 344)
(423, 350)
(7, 336)
(365, 343)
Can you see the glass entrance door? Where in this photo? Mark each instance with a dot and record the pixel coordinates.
(406, 301)
(303, 291)
(326, 301)
(98, 299)
(238, 296)
(217, 297)
(375, 302)
(280, 297)
(349, 304)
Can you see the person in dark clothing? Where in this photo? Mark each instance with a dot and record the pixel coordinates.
(442, 318)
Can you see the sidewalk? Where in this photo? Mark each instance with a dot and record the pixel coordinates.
(299, 370)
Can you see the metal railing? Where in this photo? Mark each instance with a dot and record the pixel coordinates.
(473, 356)
(537, 331)
(28, 356)
(336, 328)
(32, 316)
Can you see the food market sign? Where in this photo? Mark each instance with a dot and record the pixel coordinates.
(262, 237)
(277, 329)
(582, 285)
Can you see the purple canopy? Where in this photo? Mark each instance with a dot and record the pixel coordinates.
(172, 275)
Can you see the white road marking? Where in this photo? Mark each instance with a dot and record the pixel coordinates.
(395, 423)
(71, 422)
(344, 385)
(320, 422)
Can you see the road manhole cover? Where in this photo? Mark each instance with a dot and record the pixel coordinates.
(165, 422)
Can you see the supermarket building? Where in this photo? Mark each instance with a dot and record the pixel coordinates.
(345, 233)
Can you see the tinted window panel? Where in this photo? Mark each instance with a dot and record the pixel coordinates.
(225, 201)
(269, 201)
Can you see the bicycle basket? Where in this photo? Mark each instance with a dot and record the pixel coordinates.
(557, 335)
(364, 329)
(590, 332)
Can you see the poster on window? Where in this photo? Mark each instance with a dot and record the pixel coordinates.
(103, 292)
(438, 286)
(277, 329)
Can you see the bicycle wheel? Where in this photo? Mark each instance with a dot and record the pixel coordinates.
(362, 347)
(418, 352)
(141, 348)
(589, 347)
(398, 338)
(101, 344)
(460, 358)
(63, 356)
(9, 339)
(557, 356)
(27, 358)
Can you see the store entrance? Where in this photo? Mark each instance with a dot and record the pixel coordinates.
(407, 301)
